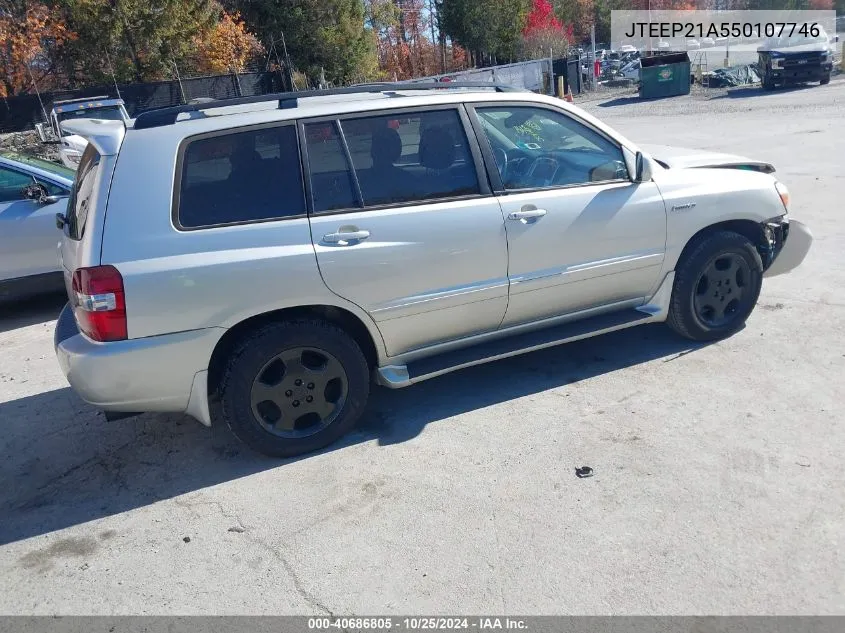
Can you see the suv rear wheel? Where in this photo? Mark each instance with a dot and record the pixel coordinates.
(716, 287)
(294, 387)
(825, 80)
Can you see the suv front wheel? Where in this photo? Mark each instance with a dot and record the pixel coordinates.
(294, 387)
(717, 284)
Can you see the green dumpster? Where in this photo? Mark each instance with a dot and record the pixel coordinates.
(664, 75)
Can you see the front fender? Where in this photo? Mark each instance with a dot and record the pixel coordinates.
(698, 198)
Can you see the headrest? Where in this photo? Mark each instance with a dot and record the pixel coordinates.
(437, 148)
(386, 147)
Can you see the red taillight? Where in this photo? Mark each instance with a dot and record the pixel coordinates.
(99, 303)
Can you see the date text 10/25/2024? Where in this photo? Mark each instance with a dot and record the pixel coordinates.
(376, 624)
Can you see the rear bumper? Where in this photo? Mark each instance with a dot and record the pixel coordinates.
(794, 250)
(157, 373)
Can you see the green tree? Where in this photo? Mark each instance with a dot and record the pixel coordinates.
(489, 28)
(327, 36)
(139, 40)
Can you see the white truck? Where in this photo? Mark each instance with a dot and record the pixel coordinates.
(71, 145)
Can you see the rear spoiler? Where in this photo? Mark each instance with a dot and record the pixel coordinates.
(105, 135)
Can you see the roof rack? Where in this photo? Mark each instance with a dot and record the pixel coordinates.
(167, 116)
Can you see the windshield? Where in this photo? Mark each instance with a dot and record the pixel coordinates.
(111, 113)
(54, 168)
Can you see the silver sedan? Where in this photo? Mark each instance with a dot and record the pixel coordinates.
(32, 192)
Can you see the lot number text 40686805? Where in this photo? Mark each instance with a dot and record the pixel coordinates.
(415, 624)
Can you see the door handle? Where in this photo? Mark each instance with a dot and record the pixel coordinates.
(345, 237)
(527, 214)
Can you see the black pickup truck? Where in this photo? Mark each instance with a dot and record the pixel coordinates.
(796, 59)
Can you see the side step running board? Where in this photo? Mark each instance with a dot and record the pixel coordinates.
(423, 369)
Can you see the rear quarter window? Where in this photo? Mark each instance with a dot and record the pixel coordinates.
(83, 189)
(240, 177)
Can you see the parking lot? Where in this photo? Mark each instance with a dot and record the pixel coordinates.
(718, 487)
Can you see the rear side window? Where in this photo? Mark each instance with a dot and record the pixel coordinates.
(83, 189)
(242, 177)
(408, 157)
(416, 156)
(332, 186)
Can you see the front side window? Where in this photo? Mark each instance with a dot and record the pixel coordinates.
(397, 158)
(241, 177)
(537, 147)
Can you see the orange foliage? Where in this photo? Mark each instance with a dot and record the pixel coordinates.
(23, 42)
(406, 48)
(227, 47)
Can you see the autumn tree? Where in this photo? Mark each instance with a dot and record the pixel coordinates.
(581, 14)
(544, 34)
(410, 42)
(30, 36)
(227, 46)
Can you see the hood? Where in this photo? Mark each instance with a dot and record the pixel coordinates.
(682, 158)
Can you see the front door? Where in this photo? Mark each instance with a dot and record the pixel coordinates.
(581, 235)
(405, 226)
(28, 234)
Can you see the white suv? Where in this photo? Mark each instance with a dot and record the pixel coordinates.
(275, 253)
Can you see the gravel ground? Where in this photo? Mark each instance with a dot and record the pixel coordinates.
(719, 485)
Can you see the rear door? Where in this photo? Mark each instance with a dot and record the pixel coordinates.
(404, 223)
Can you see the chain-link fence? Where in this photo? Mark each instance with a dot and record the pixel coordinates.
(536, 75)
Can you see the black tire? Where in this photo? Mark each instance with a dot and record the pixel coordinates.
(824, 80)
(697, 295)
(253, 358)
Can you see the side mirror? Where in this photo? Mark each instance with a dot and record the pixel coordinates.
(611, 170)
(643, 169)
(38, 192)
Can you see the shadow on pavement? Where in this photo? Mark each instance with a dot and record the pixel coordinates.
(18, 314)
(64, 465)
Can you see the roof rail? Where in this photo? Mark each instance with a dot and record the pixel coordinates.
(167, 116)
